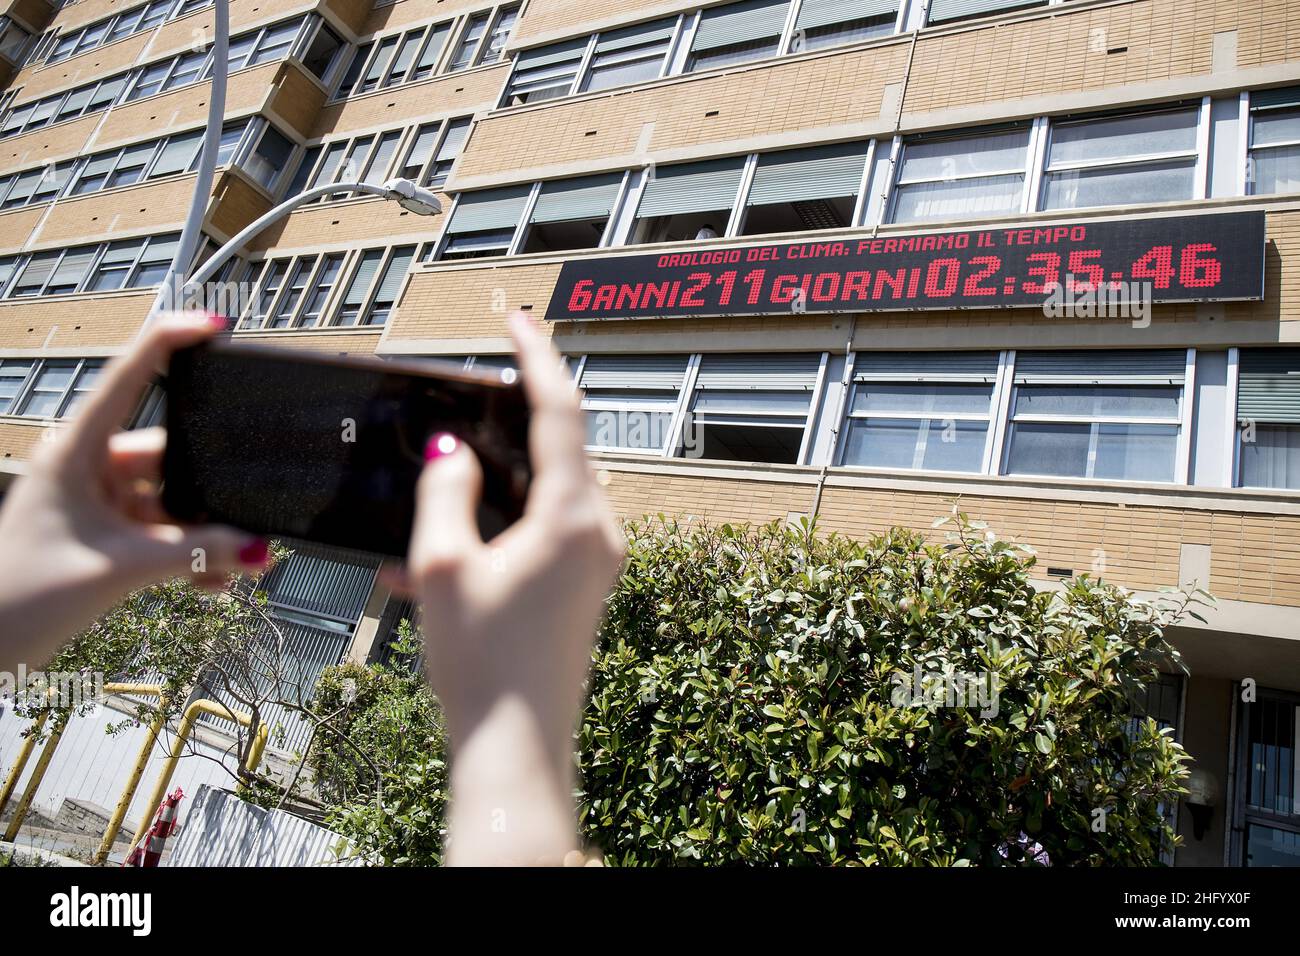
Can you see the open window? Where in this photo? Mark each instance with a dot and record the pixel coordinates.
(801, 189)
(572, 213)
(738, 33)
(688, 201)
(629, 400)
(920, 410)
(1118, 160)
(1268, 418)
(751, 408)
(945, 11)
(1107, 415)
(825, 23)
(946, 178)
(483, 223)
(545, 72)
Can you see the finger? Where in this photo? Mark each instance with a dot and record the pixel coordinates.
(169, 550)
(446, 508)
(557, 434)
(136, 454)
(125, 378)
(395, 578)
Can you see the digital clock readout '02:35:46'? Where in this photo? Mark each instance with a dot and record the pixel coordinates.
(1170, 259)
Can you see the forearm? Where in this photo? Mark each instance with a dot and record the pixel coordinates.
(511, 790)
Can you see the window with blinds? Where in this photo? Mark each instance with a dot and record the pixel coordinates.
(571, 213)
(483, 223)
(546, 72)
(920, 410)
(1268, 418)
(629, 400)
(961, 177)
(738, 33)
(389, 286)
(945, 11)
(631, 55)
(358, 291)
(1274, 162)
(825, 23)
(751, 407)
(801, 189)
(688, 201)
(1104, 414)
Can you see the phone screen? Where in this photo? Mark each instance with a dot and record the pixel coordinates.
(277, 442)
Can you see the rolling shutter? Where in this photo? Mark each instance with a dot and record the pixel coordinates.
(548, 66)
(965, 366)
(1268, 386)
(72, 268)
(822, 172)
(590, 197)
(394, 274)
(786, 372)
(489, 209)
(361, 279)
(1281, 98)
(634, 371)
(1084, 367)
(821, 13)
(740, 23)
(941, 10)
(660, 31)
(691, 187)
(177, 154)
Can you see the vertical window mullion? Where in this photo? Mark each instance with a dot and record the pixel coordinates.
(1094, 434)
(676, 60)
(1245, 162)
(1003, 418)
(1201, 180)
(787, 31)
(864, 183)
(1035, 160)
(1232, 460)
(678, 423)
(814, 407)
(922, 440)
(1183, 449)
(521, 227)
(736, 219)
(66, 396)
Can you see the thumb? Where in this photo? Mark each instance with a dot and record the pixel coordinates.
(446, 508)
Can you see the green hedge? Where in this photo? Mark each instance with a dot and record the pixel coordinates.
(754, 700)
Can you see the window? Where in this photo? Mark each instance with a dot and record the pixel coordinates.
(478, 44)
(32, 278)
(358, 290)
(1108, 415)
(35, 185)
(802, 189)
(943, 11)
(1149, 157)
(629, 400)
(572, 213)
(920, 410)
(390, 283)
(367, 159)
(57, 386)
(688, 201)
(470, 38)
(1265, 827)
(751, 407)
(824, 23)
(483, 223)
(318, 290)
(1268, 418)
(1274, 163)
(375, 72)
(737, 33)
(500, 34)
(353, 73)
(631, 55)
(294, 289)
(322, 52)
(13, 373)
(546, 72)
(113, 29)
(431, 52)
(948, 178)
(268, 160)
(372, 291)
(13, 40)
(62, 106)
(452, 141)
(268, 288)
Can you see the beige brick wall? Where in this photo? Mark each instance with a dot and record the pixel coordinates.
(18, 440)
(1254, 557)
(16, 226)
(395, 16)
(35, 14)
(548, 19)
(134, 210)
(344, 224)
(73, 321)
(237, 204)
(452, 95)
(349, 342)
(50, 145)
(39, 80)
(296, 99)
(607, 131)
(470, 303)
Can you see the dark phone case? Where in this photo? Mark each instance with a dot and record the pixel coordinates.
(284, 443)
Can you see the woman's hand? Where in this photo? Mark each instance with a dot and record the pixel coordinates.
(509, 625)
(85, 526)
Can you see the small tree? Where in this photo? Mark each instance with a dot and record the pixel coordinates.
(768, 695)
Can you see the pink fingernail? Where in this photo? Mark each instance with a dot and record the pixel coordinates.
(218, 322)
(440, 446)
(255, 552)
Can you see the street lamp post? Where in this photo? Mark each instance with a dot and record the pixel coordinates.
(169, 292)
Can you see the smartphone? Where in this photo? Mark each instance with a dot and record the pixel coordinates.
(280, 442)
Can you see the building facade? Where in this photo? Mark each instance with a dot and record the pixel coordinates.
(796, 252)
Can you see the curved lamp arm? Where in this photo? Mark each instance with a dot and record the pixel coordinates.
(410, 196)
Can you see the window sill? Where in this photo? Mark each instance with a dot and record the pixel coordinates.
(402, 87)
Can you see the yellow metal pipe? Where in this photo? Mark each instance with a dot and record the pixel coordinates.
(141, 761)
(38, 773)
(29, 744)
(192, 712)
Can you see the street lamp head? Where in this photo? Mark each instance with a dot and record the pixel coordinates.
(412, 198)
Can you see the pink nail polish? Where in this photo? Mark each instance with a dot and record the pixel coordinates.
(255, 552)
(218, 322)
(440, 446)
